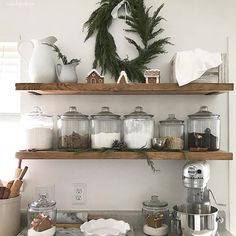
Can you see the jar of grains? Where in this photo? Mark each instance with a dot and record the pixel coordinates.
(37, 130)
(204, 131)
(73, 130)
(138, 129)
(172, 130)
(105, 128)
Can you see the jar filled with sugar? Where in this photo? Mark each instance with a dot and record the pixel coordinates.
(37, 130)
(105, 129)
(138, 129)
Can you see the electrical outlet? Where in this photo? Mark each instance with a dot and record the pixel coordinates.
(49, 191)
(79, 195)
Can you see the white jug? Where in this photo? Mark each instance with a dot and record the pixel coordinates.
(41, 65)
(67, 73)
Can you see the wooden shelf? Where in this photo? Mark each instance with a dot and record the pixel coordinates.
(124, 89)
(128, 155)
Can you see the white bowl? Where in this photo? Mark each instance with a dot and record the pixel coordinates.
(105, 227)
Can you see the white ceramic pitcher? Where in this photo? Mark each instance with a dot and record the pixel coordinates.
(67, 73)
(41, 65)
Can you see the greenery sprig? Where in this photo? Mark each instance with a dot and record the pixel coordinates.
(62, 56)
(141, 23)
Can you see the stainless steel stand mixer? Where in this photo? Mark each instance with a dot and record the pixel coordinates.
(197, 216)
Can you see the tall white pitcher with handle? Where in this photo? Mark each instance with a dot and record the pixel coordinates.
(41, 65)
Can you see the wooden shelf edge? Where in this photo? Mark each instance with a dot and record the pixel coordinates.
(123, 89)
(128, 155)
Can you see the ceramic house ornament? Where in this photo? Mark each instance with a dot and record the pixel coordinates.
(94, 77)
(123, 78)
(152, 76)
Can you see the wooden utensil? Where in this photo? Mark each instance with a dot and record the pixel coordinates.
(18, 170)
(6, 194)
(15, 188)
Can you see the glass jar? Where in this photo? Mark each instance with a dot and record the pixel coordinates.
(172, 130)
(41, 217)
(37, 130)
(138, 129)
(105, 128)
(73, 130)
(156, 214)
(204, 130)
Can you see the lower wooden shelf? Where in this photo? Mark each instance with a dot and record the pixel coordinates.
(129, 155)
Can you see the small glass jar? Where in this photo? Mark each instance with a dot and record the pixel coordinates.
(172, 130)
(204, 131)
(105, 129)
(156, 214)
(138, 129)
(37, 130)
(73, 130)
(41, 217)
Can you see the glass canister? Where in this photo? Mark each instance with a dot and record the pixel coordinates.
(156, 214)
(73, 130)
(38, 130)
(105, 128)
(138, 129)
(204, 130)
(41, 217)
(172, 130)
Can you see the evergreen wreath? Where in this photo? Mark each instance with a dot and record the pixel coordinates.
(139, 22)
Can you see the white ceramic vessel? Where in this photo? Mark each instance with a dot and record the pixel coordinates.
(67, 73)
(41, 65)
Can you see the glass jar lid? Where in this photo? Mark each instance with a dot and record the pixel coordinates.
(73, 114)
(105, 112)
(171, 120)
(37, 113)
(204, 113)
(155, 204)
(138, 113)
(42, 203)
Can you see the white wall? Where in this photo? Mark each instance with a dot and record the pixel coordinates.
(122, 184)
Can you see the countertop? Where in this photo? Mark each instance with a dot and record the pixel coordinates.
(134, 218)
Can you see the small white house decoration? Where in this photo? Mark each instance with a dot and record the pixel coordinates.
(152, 76)
(123, 78)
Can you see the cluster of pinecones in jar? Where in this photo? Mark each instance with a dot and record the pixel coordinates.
(119, 145)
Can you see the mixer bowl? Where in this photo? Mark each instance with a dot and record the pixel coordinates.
(197, 219)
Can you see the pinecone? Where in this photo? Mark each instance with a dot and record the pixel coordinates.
(119, 145)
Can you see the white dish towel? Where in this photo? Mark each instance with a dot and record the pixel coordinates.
(191, 65)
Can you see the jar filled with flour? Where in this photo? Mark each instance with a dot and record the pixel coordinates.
(138, 129)
(37, 130)
(73, 130)
(105, 128)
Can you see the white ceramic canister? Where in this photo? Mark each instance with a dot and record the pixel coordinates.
(10, 216)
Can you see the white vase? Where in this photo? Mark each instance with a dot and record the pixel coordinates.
(41, 66)
(67, 73)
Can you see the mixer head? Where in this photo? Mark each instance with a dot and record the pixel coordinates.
(196, 175)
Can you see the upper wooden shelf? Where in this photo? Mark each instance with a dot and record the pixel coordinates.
(124, 89)
(128, 155)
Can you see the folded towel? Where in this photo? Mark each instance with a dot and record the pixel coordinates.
(191, 65)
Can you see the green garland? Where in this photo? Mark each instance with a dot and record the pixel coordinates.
(139, 22)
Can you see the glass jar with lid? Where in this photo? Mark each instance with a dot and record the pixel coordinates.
(172, 130)
(138, 129)
(204, 130)
(156, 214)
(105, 129)
(73, 130)
(37, 130)
(41, 217)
